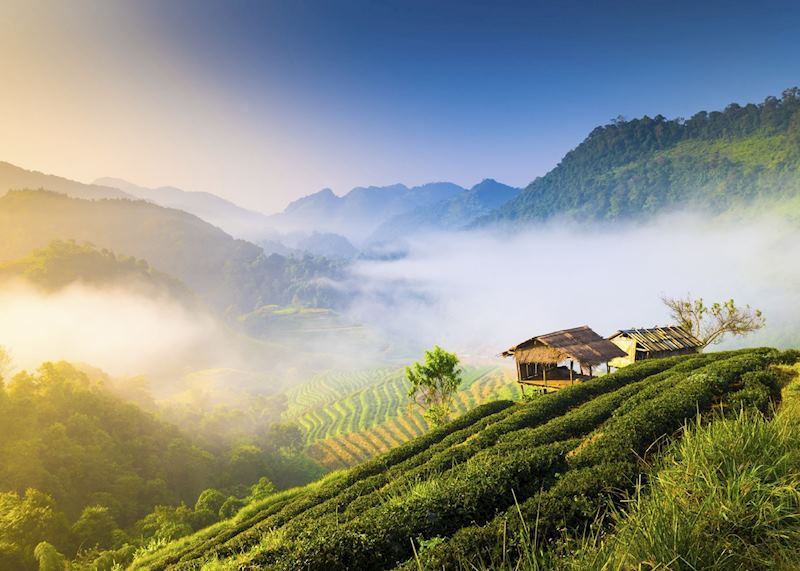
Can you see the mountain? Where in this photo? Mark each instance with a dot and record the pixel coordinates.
(361, 211)
(62, 263)
(452, 214)
(232, 218)
(16, 178)
(739, 157)
(227, 273)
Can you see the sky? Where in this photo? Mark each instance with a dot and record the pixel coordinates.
(263, 102)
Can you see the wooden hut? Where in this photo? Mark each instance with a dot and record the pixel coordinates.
(549, 360)
(653, 343)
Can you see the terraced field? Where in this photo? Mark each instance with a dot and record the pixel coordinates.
(350, 417)
(454, 496)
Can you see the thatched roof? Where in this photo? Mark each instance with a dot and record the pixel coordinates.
(581, 344)
(658, 339)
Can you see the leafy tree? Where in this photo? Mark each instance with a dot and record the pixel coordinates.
(210, 500)
(261, 489)
(49, 558)
(95, 527)
(711, 323)
(5, 362)
(433, 384)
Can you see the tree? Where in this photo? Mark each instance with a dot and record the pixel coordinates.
(49, 558)
(95, 527)
(5, 362)
(433, 384)
(711, 323)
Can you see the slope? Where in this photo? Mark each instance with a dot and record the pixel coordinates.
(351, 416)
(224, 214)
(449, 495)
(739, 157)
(223, 271)
(16, 178)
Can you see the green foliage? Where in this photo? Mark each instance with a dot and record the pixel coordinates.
(725, 497)
(433, 384)
(65, 262)
(556, 460)
(636, 168)
(231, 275)
(350, 416)
(95, 527)
(101, 476)
(49, 558)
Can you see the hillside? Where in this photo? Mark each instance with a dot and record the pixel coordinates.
(453, 214)
(714, 161)
(16, 178)
(224, 272)
(350, 416)
(224, 214)
(63, 263)
(454, 496)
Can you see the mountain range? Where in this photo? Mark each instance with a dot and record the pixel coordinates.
(742, 156)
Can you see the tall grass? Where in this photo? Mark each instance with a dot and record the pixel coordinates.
(725, 497)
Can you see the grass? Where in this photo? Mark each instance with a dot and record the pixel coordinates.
(725, 497)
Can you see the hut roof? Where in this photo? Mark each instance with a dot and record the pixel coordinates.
(580, 343)
(672, 338)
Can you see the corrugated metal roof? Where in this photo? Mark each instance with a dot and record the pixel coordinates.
(672, 338)
(579, 343)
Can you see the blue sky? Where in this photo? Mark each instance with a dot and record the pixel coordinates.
(262, 102)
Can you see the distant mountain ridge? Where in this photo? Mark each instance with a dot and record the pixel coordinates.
(738, 157)
(229, 274)
(361, 211)
(16, 178)
(452, 214)
(234, 219)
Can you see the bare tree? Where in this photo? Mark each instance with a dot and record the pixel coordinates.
(711, 323)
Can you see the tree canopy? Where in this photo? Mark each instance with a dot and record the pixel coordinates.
(433, 384)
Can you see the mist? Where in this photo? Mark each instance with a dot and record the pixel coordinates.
(121, 331)
(480, 292)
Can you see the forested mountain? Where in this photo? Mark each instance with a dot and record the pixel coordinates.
(634, 168)
(359, 212)
(62, 263)
(16, 178)
(225, 272)
(452, 214)
(232, 218)
(85, 471)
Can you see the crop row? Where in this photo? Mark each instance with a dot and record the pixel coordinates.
(413, 459)
(445, 482)
(377, 402)
(606, 464)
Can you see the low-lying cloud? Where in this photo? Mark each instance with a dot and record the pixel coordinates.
(123, 332)
(480, 292)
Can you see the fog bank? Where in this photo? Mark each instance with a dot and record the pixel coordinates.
(481, 292)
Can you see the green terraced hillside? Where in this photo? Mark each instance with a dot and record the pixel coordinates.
(348, 417)
(455, 495)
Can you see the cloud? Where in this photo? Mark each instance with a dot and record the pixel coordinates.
(480, 292)
(123, 332)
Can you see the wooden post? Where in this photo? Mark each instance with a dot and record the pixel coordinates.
(544, 376)
(571, 380)
(519, 370)
(590, 372)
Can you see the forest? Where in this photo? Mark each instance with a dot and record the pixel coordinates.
(738, 157)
